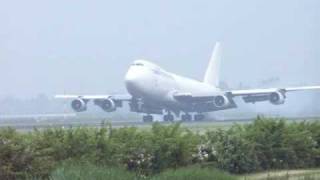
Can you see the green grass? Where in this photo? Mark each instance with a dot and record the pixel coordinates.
(193, 173)
(303, 174)
(88, 171)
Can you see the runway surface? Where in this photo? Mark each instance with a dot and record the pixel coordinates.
(29, 122)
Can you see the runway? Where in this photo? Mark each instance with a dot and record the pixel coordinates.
(29, 122)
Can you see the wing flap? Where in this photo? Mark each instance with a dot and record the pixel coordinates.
(253, 92)
(248, 95)
(122, 97)
(271, 90)
(189, 97)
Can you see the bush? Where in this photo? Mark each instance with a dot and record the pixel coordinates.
(16, 159)
(172, 146)
(265, 144)
(262, 145)
(232, 151)
(279, 145)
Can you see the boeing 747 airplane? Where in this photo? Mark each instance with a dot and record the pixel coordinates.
(152, 90)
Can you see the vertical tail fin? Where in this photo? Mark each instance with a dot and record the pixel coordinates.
(213, 71)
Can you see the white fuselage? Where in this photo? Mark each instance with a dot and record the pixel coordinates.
(148, 81)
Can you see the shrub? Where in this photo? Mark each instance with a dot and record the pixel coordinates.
(15, 156)
(279, 145)
(173, 147)
(262, 145)
(232, 151)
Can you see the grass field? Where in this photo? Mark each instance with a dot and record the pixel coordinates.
(307, 174)
(87, 171)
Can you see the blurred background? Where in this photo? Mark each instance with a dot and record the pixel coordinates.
(85, 47)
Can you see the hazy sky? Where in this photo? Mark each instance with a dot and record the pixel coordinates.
(78, 46)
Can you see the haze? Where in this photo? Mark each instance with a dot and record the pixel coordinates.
(73, 46)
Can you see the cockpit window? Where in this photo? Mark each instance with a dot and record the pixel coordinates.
(137, 64)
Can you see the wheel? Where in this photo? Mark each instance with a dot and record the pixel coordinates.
(165, 118)
(198, 117)
(148, 118)
(186, 117)
(168, 117)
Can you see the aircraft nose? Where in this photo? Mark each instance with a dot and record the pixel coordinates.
(131, 82)
(134, 80)
(132, 76)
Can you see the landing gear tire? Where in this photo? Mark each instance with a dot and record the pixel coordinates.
(168, 118)
(147, 119)
(186, 117)
(198, 117)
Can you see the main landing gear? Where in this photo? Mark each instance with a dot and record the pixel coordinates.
(186, 117)
(168, 118)
(147, 118)
(198, 117)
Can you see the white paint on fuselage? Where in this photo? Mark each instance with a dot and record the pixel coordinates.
(146, 80)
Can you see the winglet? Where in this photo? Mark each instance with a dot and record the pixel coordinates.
(212, 75)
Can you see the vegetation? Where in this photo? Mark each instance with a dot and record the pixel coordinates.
(194, 173)
(88, 171)
(159, 153)
(310, 174)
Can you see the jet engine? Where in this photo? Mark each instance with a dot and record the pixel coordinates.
(107, 105)
(277, 98)
(221, 101)
(79, 105)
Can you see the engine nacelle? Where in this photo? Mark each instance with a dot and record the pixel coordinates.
(107, 105)
(79, 105)
(277, 98)
(221, 101)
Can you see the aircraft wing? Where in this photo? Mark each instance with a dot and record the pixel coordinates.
(271, 90)
(121, 97)
(108, 103)
(249, 96)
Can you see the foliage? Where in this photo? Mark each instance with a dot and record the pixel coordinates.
(261, 145)
(88, 171)
(232, 151)
(16, 158)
